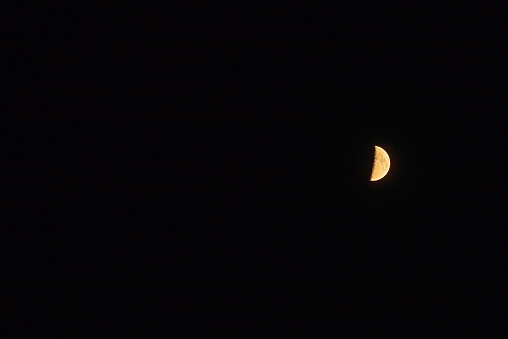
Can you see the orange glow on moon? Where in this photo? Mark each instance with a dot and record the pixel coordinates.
(381, 164)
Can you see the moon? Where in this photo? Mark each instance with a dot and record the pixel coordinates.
(381, 164)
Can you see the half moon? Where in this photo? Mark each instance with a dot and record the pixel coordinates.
(381, 164)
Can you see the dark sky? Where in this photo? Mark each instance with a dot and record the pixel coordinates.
(231, 148)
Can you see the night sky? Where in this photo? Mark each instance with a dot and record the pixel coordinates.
(225, 157)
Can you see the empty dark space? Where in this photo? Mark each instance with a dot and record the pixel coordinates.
(223, 158)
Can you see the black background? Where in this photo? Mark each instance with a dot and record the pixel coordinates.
(214, 163)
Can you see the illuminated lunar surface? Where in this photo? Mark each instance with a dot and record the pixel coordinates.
(381, 164)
